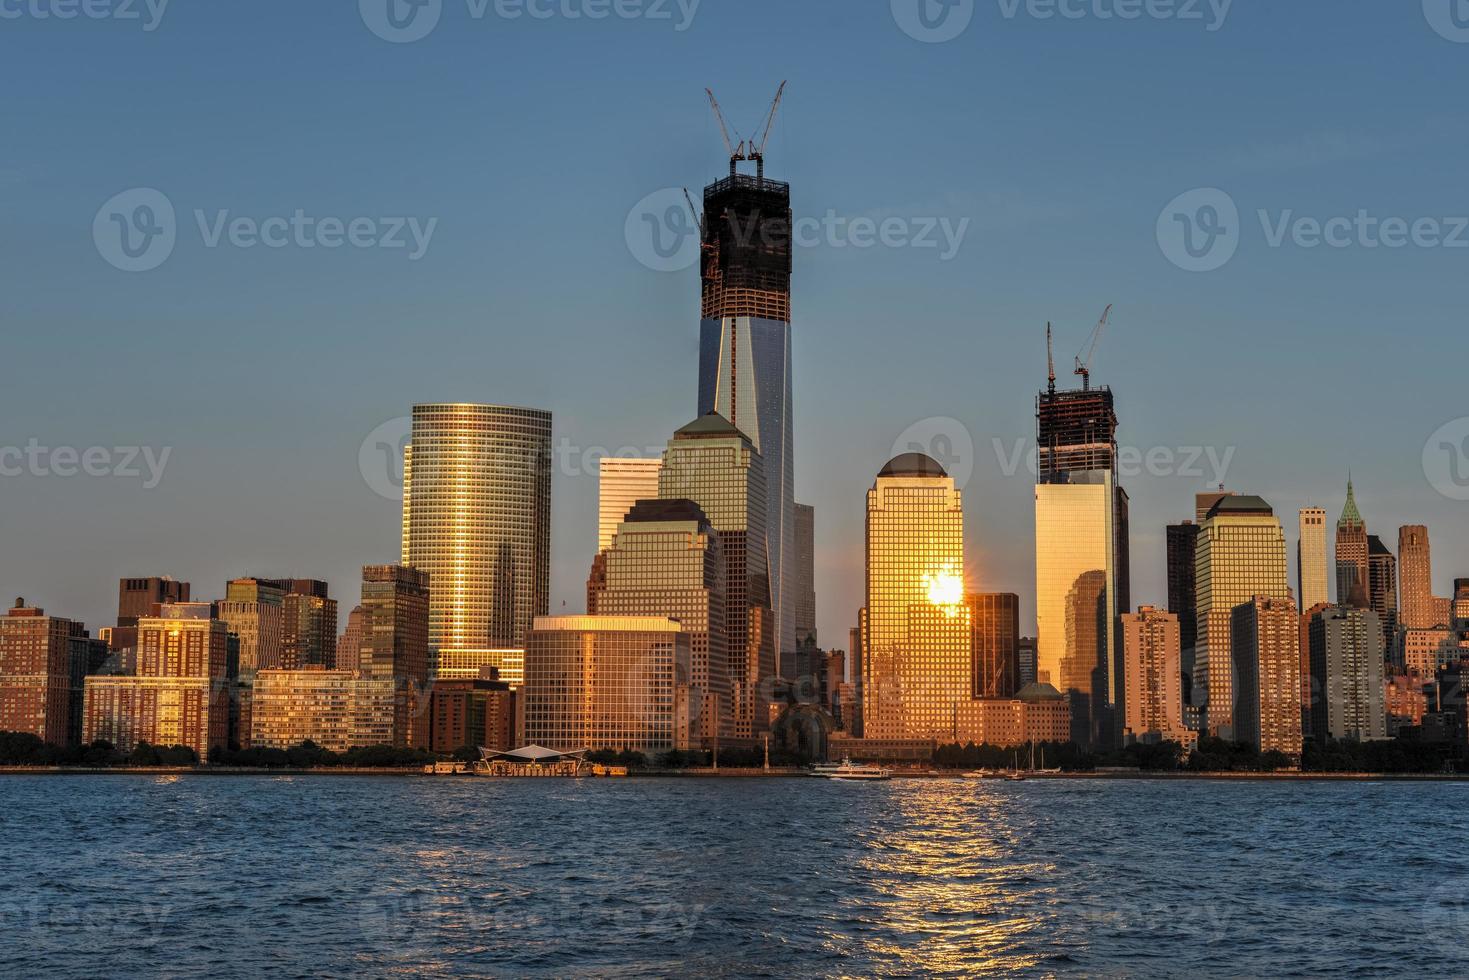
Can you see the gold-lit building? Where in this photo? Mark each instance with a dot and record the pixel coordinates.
(395, 604)
(1240, 555)
(180, 694)
(621, 482)
(1152, 668)
(1038, 713)
(477, 518)
(916, 639)
(1415, 579)
(471, 665)
(607, 682)
(1265, 634)
(333, 708)
(43, 663)
(1311, 558)
(253, 610)
(1351, 552)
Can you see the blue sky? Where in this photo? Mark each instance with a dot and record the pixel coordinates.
(530, 141)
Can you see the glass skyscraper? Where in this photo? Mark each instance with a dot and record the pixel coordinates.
(477, 518)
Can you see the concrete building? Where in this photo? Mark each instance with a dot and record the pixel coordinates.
(469, 665)
(252, 608)
(477, 713)
(1182, 542)
(308, 624)
(1382, 589)
(1151, 641)
(1027, 657)
(994, 630)
(336, 709)
(1351, 551)
(1348, 697)
(1427, 651)
(1037, 713)
(665, 561)
(607, 682)
(1415, 579)
(803, 570)
(1266, 637)
(136, 598)
(43, 664)
(1311, 586)
(1241, 555)
(477, 519)
(180, 694)
(916, 643)
(349, 644)
(713, 463)
(621, 482)
(396, 607)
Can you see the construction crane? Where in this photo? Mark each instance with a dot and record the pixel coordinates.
(746, 149)
(693, 211)
(1085, 369)
(1050, 362)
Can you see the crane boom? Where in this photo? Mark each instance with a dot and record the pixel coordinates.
(1085, 368)
(735, 152)
(1050, 362)
(759, 151)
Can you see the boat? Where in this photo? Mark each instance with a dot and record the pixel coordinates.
(825, 769)
(853, 771)
(979, 774)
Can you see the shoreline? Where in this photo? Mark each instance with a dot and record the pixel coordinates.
(774, 773)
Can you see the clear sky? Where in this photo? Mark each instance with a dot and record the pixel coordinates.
(532, 140)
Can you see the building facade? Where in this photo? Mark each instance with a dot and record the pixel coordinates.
(621, 482)
(1382, 589)
(1351, 551)
(1415, 579)
(1311, 587)
(1037, 713)
(1266, 637)
(476, 713)
(1349, 689)
(1182, 540)
(336, 709)
(396, 603)
(136, 598)
(607, 682)
(994, 625)
(477, 519)
(916, 641)
(1152, 668)
(804, 570)
(308, 624)
(43, 664)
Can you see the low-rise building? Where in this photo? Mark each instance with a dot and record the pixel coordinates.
(335, 709)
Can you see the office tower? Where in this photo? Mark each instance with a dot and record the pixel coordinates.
(1308, 680)
(1081, 556)
(136, 598)
(1443, 610)
(994, 624)
(665, 561)
(803, 568)
(349, 644)
(1351, 550)
(1427, 651)
(1382, 588)
(396, 603)
(469, 665)
(745, 352)
(916, 642)
(1311, 558)
(1265, 634)
(715, 465)
(1241, 555)
(308, 624)
(607, 682)
(1027, 660)
(1204, 502)
(180, 694)
(474, 713)
(253, 610)
(622, 482)
(1181, 541)
(333, 708)
(1415, 579)
(1151, 650)
(43, 663)
(477, 519)
(1346, 656)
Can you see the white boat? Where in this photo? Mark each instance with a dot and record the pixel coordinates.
(853, 771)
(825, 769)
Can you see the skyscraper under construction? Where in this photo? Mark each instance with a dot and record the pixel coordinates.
(745, 341)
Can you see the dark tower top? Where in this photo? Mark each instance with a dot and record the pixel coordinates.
(1075, 431)
(745, 259)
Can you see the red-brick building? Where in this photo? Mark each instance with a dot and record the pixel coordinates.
(43, 661)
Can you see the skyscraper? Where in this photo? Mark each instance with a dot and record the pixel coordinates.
(622, 482)
(665, 561)
(745, 351)
(1081, 556)
(136, 597)
(917, 637)
(1265, 635)
(994, 622)
(1351, 550)
(1311, 558)
(308, 624)
(252, 608)
(1382, 588)
(804, 570)
(1349, 702)
(1415, 578)
(1182, 540)
(1154, 700)
(396, 608)
(349, 644)
(477, 519)
(715, 465)
(42, 663)
(1241, 555)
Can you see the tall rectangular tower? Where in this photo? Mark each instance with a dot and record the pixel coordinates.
(396, 616)
(1265, 635)
(1311, 558)
(1415, 578)
(1351, 555)
(745, 352)
(994, 621)
(622, 482)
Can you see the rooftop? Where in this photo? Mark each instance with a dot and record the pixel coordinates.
(1241, 504)
(912, 464)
